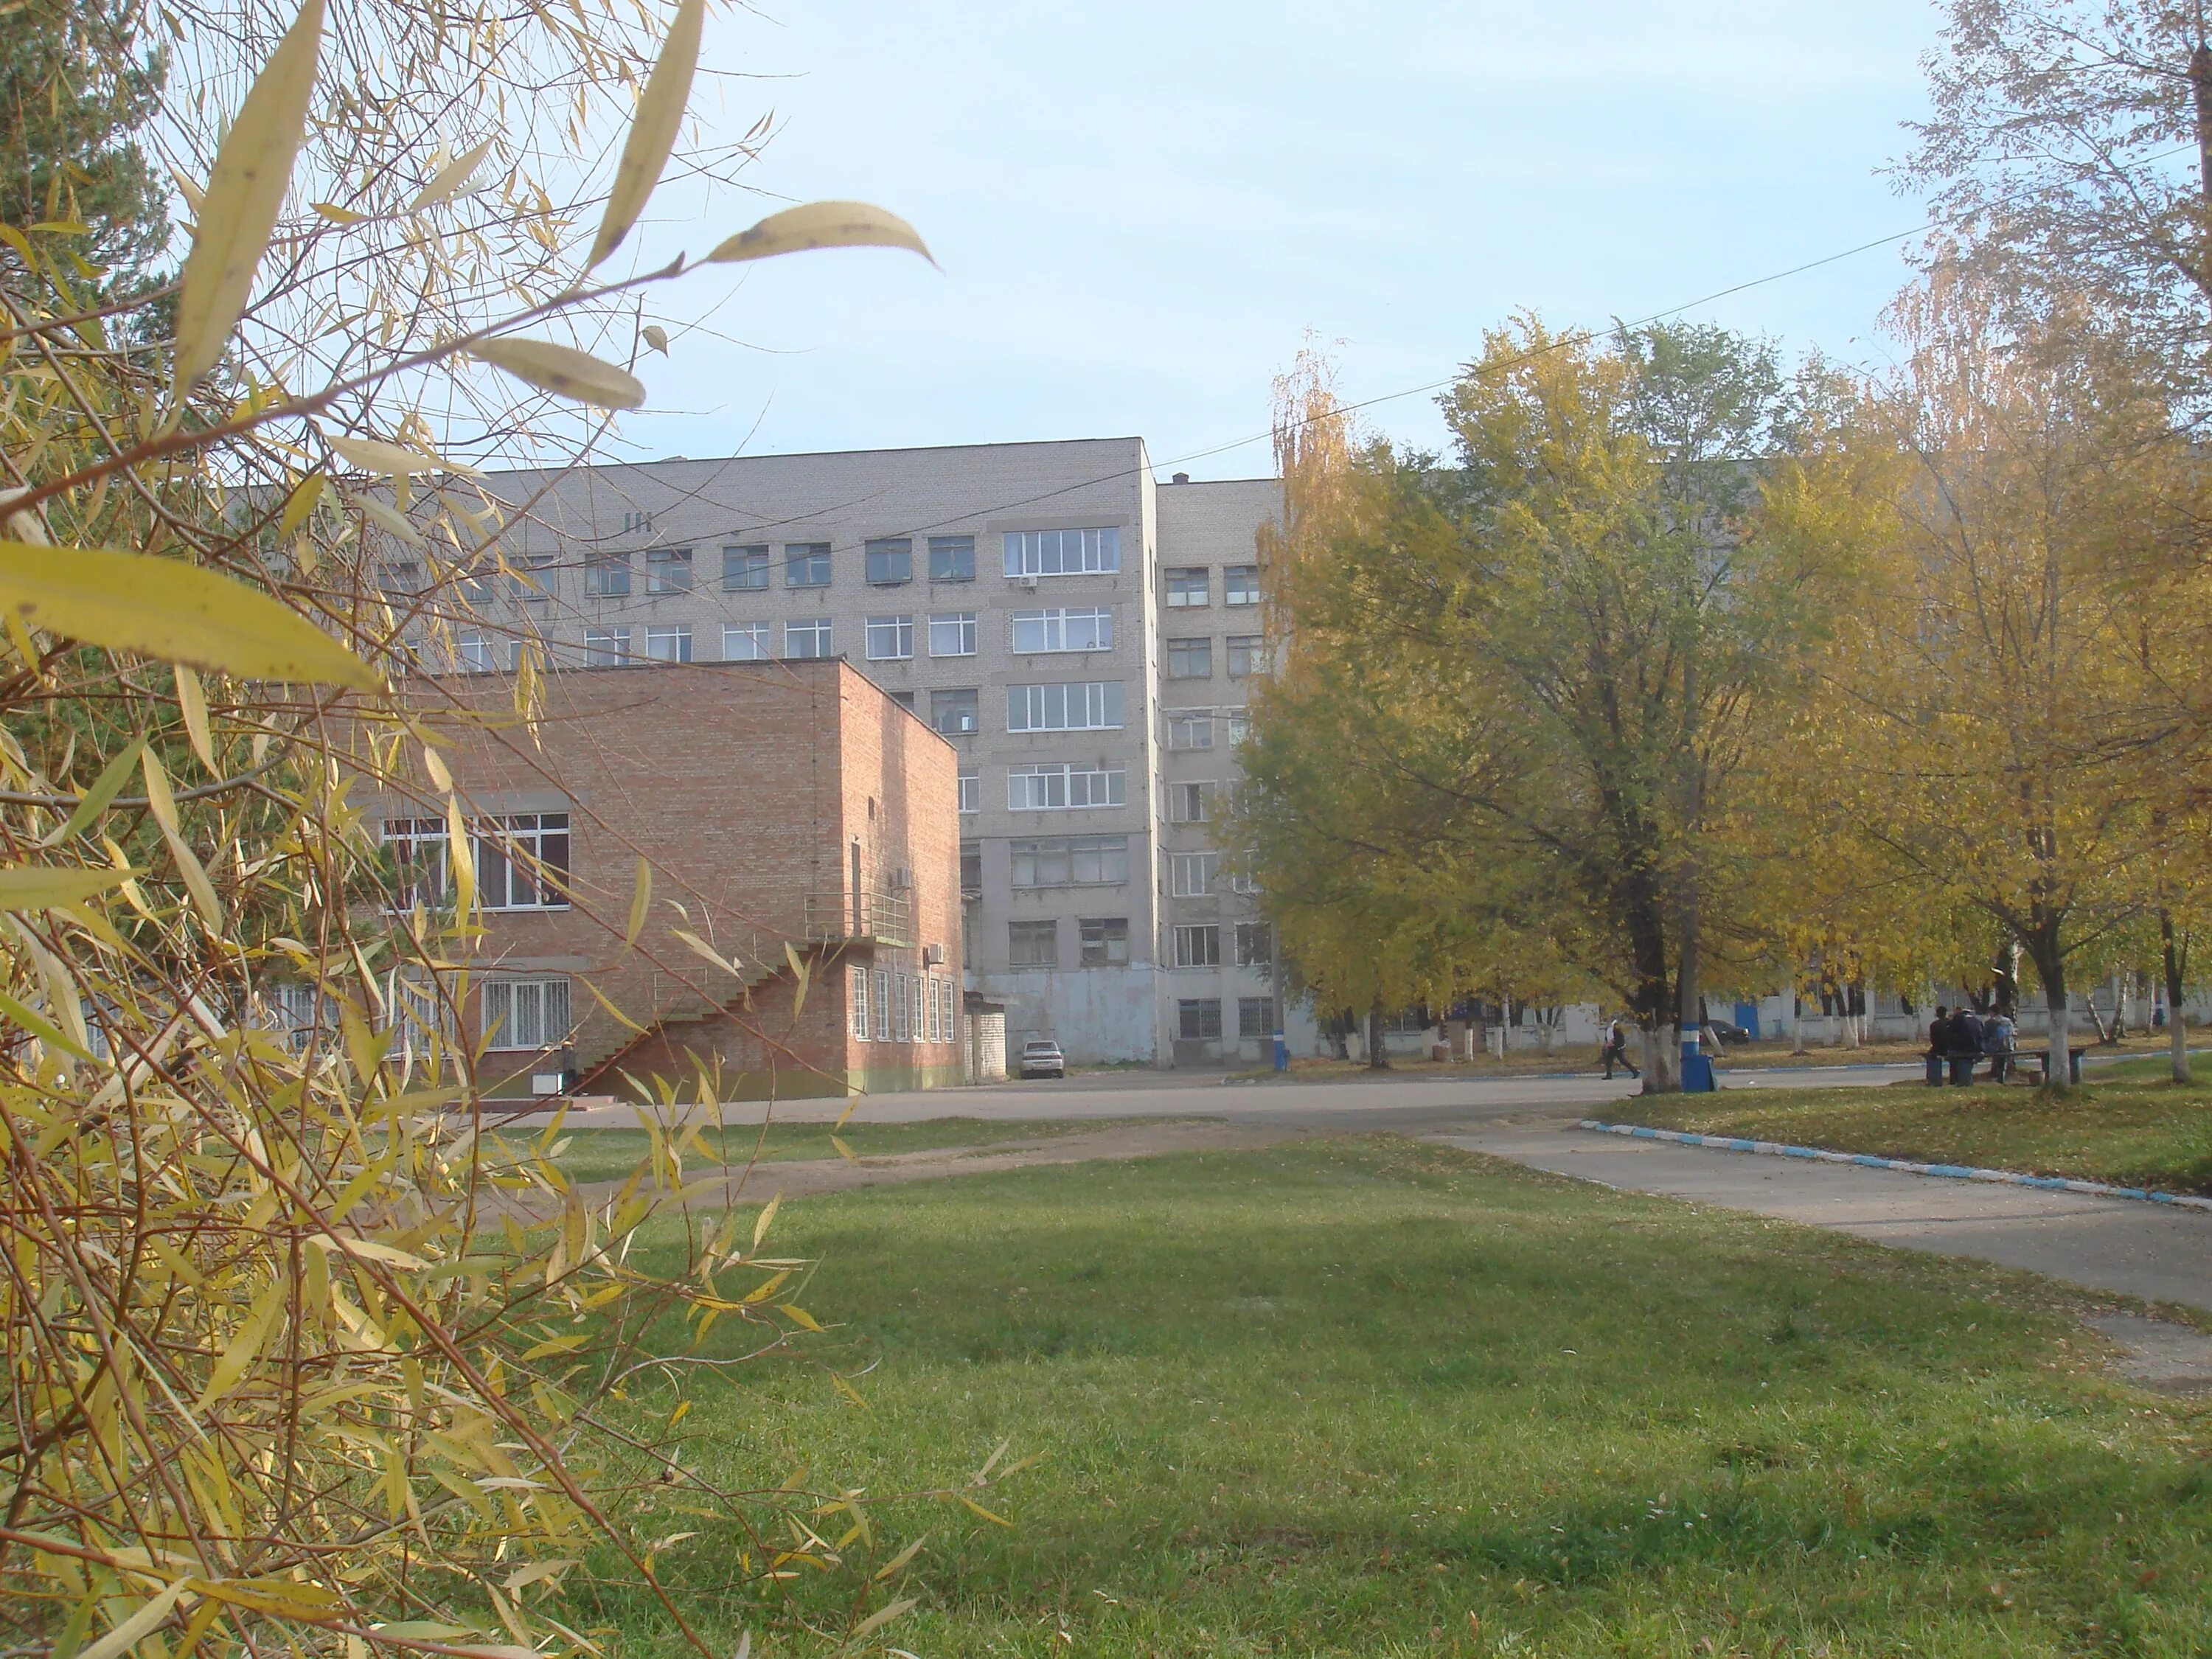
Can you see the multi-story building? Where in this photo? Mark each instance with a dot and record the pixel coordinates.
(1084, 634)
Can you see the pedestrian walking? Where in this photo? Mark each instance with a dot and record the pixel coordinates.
(1616, 1050)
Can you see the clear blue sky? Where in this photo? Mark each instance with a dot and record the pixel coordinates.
(1142, 209)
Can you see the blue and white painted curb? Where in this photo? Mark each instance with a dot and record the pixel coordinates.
(1944, 1171)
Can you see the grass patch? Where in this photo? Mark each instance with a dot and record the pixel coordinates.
(2130, 1131)
(609, 1154)
(1373, 1397)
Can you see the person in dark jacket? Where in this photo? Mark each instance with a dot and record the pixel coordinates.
(1939, 1033)
(1966, 1045)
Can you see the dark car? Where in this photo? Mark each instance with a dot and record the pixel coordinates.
(1040, 1057)
(1725, 1034)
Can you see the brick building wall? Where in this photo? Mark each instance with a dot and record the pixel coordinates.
(757, 793)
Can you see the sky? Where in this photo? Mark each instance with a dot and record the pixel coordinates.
(1141, 211)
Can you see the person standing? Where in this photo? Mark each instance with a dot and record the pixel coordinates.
(1616, 1050)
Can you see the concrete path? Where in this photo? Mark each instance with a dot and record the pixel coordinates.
(2144, 1251)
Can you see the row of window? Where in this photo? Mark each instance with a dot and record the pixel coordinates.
(1068, 786)
(1198, 1019)
(1190, 587)
(1103, 942)
(955, 634)
(892, 1006)
(1039, 861)
(886, 562)
(1188, 731)
(521, 860)
(1193, 659)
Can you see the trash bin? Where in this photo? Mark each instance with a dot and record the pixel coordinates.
(1696, 1070)
(1282, 1054)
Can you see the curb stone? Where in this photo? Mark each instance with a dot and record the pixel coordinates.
(1944, 1171)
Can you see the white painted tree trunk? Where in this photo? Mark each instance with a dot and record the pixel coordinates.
(1797, 1024)
(1662, 1054)
(2057, 1072)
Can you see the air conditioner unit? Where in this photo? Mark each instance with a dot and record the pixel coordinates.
(1027, 582)
(932, 956)
(901, 879)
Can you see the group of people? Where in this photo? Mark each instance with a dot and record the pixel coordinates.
(1960, 1036)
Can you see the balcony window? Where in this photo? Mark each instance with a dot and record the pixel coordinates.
(1087, 628)
(1061, 787)
(1070, 861)
(1063, 552)
(1080, 708)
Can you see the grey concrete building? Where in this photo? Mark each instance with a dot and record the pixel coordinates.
(1083, 633)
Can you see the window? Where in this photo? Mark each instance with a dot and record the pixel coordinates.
(637, 523)
(668, 644)
(418, 861)
(1240, 724)
(605, 647)
(1190, 660)
(1240, 585)
(745, 569)
(1247, 655)
(904, 700)
(902, 1007)
(1197, 947)
(1063, 552)
(474, 652)
(1056, 787)
(1198, 1019)
(1093, 708)
(890, 638)
(883, 1002)
(952, 636)
(480, 585)
(525, 1013)
(1188, 587)
(859, 1005)
(1089, 628)
(1255, 1017)
(1242, 881)
(952, 558)
(955, 712)
(971, 868)
(668, 570)
(928, 984)
(889, 562)
(1189, 803)
(1033, 944)
(606, 575)
(808, 639)
(402, 577)
(1070, 861)
(1103, 941)
(745, 641)
(1255, 945)
(1191, 875)
(971, 791)
(522, 861)
(535, 585)
(1188, 731)
(806, 564)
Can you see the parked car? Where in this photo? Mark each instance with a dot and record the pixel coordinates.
(1725, 1034)
(1040, 1057)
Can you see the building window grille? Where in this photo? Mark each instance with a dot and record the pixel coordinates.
(1255, 1017)
(668, 570)
(745, 641)
(1192, 875)
(745, 569)
(889, 562)
(1077, 628)
(1198, 1019)
(1190, 660)
(1198, 946)
(525, 1013)
(1033, 944)
(1070, 861)
(952, 558)
(1103, 941)
(952, 636)
(890, 638)
(1063, 552)
(809, 638)
(1064, 787)
(668, 644)
(806, 564)
(606, 575)
(1189, 588)
(605, 647)
(1080, 708)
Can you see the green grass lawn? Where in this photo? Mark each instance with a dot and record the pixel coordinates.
(2130, 1126)
(1373, 1397)
(607, 1154)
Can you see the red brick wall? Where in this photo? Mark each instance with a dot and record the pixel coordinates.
(742, 785)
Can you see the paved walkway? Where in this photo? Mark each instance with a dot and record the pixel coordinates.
(2145, 1250)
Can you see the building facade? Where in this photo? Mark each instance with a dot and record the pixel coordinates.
(801, 827)
(1083, 636)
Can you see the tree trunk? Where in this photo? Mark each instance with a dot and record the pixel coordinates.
(1797, 1022)
(2057, 1070)
(1376, 1060)
(2177, 1028)
(1662, 1059)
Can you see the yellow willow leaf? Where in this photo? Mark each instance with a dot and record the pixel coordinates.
(195, 198)
(244, 193)
(163, 806)
(339, 215)
(159, 801)
(192, 703)
(882, 1616)
(390, 517)
(47, 1032)
(441, 779)
(139, 1625)
(245, 1346)
(171, 610)
(389, 460)
(368, 1250)
(641, 900)
(822, 224)
(767, 1217)
(653, 131)
(891, 1569)
(300, 503)
(563, 371)
(105, 789)
(35, 887)
(452, 178)
(460, 855)
(655, 336)
(797, 1314)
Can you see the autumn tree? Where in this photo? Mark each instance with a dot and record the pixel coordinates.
(1536, 672)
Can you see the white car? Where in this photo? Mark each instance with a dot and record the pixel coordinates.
(1040, 1057)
